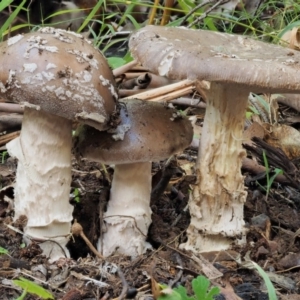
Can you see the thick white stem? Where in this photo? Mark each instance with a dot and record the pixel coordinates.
(43, 178)
(128, 214)
(217, 201)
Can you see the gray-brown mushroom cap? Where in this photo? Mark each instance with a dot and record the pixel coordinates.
(150, 131)
(181, 53)
(60, 73)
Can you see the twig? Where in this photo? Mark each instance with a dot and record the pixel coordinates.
(121, 70)
(166, 14)
(153, 12)
(125, 286)
(168, 92)
(11, 108)
(180, 272)
(204, 15)
(194, 10)
(4, 139)
(77, 230)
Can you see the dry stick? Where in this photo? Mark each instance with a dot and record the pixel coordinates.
(173, 95)
(77, 230)
(130, 93)
(153, 12)
(11, 108)
(171, 88)
(194, 10)
(192, 102)
(4, 139)
(131, 74)
(125, 286)
(204, 15)
(167, 12)
(123, 69)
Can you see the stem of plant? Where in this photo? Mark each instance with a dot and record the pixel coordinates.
(77, 230)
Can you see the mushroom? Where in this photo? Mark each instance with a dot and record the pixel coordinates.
(234, 65)
(148, 131)
(59, 77)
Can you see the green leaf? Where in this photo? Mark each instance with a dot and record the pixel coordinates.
(200, 286)
(169, 294)
(22, 297)
(4, 4)
(115, 62)
(201, 289)
(33, 288)
(3, 251)
(214, 291)
(182, 292)
(128, 58)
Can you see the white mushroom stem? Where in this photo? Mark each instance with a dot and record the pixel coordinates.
(217, 201)
(128, 215)
(43, 178)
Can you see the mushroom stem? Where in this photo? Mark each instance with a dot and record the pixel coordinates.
(217, 201)
(43, 185)
(128, 215)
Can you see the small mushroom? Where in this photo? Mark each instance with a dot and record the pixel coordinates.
(59, 77)
(235, 65)
(148, 132)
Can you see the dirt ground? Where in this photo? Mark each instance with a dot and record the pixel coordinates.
(272, 242)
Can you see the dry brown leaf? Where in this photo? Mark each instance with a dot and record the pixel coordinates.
(291, 38)
(254, 130)
(228, 291)
(292, 100)
(287, 138)
(155, 288)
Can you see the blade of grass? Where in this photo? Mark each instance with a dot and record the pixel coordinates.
(91, 15)
(10, 19)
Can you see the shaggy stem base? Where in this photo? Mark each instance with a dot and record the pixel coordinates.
(43, 178)
(128, 215)
(217, 201)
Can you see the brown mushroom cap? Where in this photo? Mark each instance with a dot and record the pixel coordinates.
(60, 72)
(151, 135)
(180, 53)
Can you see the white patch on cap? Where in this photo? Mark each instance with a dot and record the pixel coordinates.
(50, 88)
(69, 94)
(48, 75)
(119, 132)
(104, 81)
(13, 40)
(82, 57)
(50, 66)
(2, 88)
(59, 91)
(77, 97)
(30, 67)
(166, 64)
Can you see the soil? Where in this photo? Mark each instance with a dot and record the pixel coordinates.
(272, 242)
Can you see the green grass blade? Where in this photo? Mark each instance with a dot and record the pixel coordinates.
(90, 16)
(33, 288)
(265, 277)
(10, 19)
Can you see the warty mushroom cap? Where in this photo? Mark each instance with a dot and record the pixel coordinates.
(148, 131)
(181, 53)
(59, 72)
